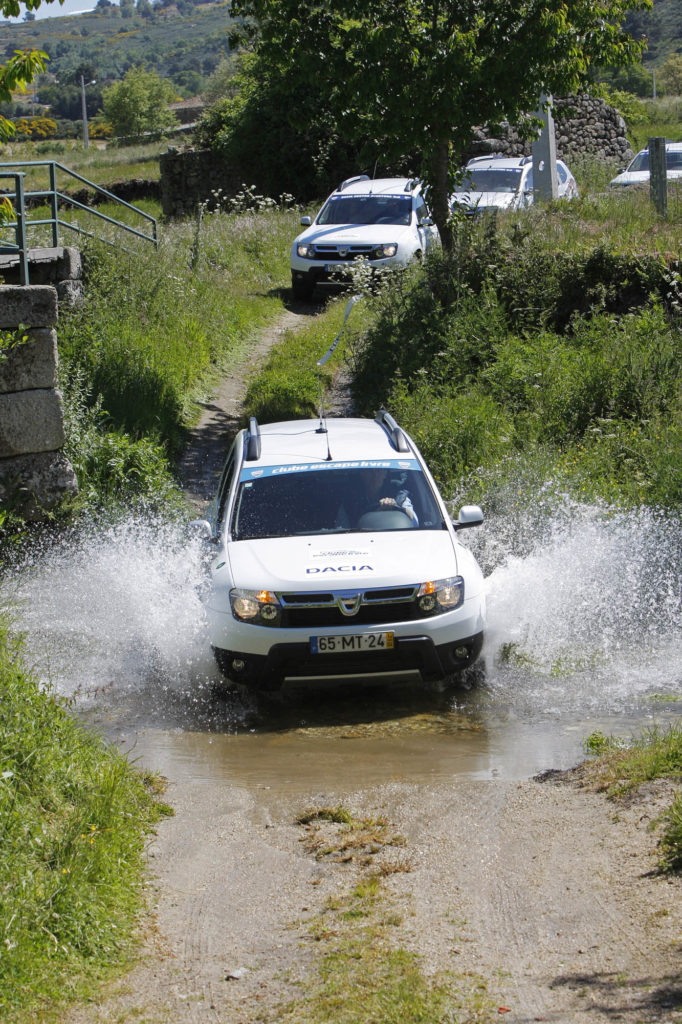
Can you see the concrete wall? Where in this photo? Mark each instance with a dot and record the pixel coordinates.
(585, 126)
(34, 474)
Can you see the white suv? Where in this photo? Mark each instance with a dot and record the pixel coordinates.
(385, 221)
(505, 183)
(333, 555)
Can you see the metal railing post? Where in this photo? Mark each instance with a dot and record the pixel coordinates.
(20, 230)
(54, 204)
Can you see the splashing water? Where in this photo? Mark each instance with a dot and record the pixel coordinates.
(584, 610)
(584, 607)
(118, 606)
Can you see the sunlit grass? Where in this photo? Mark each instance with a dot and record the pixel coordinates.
(74, 818)
(620, 768)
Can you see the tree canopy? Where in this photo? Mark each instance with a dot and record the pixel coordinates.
(418, 76)
(139, 103)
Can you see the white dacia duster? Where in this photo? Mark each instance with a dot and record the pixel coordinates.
(333, 555)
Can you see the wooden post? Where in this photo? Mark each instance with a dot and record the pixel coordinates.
(658, 179)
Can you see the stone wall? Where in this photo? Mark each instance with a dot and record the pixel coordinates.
(34, 474)
(189, 178)
(585, 126)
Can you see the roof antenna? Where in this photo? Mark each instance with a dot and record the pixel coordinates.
(374, 172)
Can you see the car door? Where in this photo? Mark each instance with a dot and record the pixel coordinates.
(428, 233)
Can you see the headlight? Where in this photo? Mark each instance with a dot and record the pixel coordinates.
(385, 251)
(438, 596)
(261, 607)
(305, 251)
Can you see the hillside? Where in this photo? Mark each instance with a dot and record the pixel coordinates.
(662, 27)
(183, 43)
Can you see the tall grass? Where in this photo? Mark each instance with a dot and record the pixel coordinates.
(74, 817)
(158, 327)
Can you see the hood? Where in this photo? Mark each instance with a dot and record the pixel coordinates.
(639, 177)
(353, 234)
(630, 178)
(486, 200)
(346, 561)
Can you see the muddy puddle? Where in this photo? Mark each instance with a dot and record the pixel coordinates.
(584, 634)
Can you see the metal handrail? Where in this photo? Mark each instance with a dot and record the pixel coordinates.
(19, 225)
(53, 197)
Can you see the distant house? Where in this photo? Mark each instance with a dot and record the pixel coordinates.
(188, 111)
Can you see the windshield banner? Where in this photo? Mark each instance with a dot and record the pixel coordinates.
(255, 473)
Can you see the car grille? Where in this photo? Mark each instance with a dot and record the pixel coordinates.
(372, 607)
(327, 253)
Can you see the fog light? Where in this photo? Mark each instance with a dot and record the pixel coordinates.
(238, 665)
(461, 652)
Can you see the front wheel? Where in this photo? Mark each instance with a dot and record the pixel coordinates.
(302, 288)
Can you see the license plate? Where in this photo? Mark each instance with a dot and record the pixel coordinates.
(334, 266)
(351, 642)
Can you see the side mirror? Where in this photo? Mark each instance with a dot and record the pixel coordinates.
(200, 528)
(426, 222)
(469, 515)
(306, 221)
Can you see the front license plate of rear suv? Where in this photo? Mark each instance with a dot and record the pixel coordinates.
(329, 267)
(351, 642)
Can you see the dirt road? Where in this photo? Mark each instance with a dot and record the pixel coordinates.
(543, 892)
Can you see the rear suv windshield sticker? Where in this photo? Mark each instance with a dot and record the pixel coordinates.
(251, 473)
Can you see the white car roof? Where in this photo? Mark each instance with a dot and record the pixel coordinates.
(297, 442)
(488, 162)
(378, 186)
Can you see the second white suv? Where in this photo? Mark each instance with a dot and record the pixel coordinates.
(384, 220)
(505, 183)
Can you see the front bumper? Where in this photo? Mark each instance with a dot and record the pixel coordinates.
(294, 660)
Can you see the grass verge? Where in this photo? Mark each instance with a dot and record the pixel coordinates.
(621, 768)
(363, 972)
(74, 821)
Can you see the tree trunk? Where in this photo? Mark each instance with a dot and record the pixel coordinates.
(439, 197)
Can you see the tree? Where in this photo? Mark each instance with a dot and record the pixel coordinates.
(670, 75)
(418, 76)
(139, 103)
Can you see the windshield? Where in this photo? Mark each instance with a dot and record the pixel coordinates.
(349, 209)
(294, 501)
(500, 179)
(641, 162)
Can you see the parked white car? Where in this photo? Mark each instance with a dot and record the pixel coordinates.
(333, 554)
(505, 183)
(637, 171)
(385, 221)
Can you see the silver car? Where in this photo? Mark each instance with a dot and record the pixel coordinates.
(637, 171)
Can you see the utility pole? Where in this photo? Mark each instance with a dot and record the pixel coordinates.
(86, 140)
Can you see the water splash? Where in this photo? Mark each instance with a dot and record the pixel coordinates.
(584, 605)
(114, 607)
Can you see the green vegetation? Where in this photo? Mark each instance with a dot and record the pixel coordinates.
(138, 104)
(74, 818)
(183, 42)
(155, 332)
(622, 767)
(363, 973)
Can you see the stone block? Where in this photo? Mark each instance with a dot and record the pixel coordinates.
(32, 305)
(31, 364)
(31, 422)
(34, 484)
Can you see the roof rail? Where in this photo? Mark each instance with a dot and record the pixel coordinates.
(411, 184)
(351, 181)
(253, 441)
(395, 433)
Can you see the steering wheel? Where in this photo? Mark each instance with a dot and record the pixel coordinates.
(389, 506)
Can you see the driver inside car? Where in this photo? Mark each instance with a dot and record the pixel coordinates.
(378, 490)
